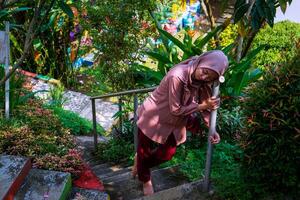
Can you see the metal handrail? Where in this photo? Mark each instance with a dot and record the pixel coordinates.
(128, 92)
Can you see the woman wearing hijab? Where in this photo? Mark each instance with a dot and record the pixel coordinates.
(163, 117)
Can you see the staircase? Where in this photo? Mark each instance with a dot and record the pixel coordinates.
(169, 183)
(18, 181)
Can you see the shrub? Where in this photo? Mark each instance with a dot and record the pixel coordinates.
(281, 41)
(39, 120)
(271, 141)
(230, 123)
(70, 162)
(116, 150)
(36, 133)
(226, 37)
(225, 172)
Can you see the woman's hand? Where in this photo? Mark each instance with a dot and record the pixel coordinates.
(210, 103)
(215, 138)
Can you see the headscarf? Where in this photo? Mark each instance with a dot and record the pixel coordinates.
(214, 60)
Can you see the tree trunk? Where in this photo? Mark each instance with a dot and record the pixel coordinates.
(211, 19)
(240, 37)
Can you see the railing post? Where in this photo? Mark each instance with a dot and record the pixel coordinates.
(7, 51)
(135, 128)
(94, 123)
(212, 130)
(120, 111)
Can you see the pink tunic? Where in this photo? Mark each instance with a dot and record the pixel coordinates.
(167, 109)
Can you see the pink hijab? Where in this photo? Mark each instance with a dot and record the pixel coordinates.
(214, 60)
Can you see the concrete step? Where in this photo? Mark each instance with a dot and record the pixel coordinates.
(78, 193)
(105, 171)
(45, 184)
(13, 170)
(187, 191)
(123, 186)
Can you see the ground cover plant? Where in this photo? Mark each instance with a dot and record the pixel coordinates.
(36, 133)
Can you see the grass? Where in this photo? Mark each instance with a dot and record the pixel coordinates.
(72, 121)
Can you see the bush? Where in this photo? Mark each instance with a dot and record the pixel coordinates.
(271, 141)
(116, 151)
(225, 172)
(230, 123)
(226, 37)
(36, 133)
(281, 41)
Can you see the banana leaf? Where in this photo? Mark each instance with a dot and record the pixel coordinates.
(178, 43)
(158, 57)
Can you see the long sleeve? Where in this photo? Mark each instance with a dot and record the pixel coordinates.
(176, 91)
(205, 93)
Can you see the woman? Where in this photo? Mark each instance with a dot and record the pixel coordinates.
(164, 115)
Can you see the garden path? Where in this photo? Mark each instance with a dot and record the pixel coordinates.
(79, 103)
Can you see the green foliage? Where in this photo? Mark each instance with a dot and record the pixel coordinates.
(51, 45)
(48, 54)
(115, 150)
(72, 121)
(91, 81)
(18, 94)
(57, 95)
(119, 30)
(262, 10)
(15, 92)
(35, 132)
(271, 141)
(172, 52)
(238, 76)
(281, 40)
(230, 123)
(226, 37)
(225, 173)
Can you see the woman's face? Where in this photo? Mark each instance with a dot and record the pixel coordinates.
(205, 75)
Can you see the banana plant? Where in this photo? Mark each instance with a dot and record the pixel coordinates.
(173, 51)
(238, 76)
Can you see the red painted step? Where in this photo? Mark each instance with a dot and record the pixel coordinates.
(13, 170)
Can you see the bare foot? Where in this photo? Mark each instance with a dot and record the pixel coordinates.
(134, 168)
(148, 188)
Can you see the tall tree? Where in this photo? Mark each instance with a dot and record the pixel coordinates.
(251, 15)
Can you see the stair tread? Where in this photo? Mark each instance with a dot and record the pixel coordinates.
(113, 172)
(107, 170)
(125, 187)
(88, 194)
(13, 170)
(41, 184)
(187, 191)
